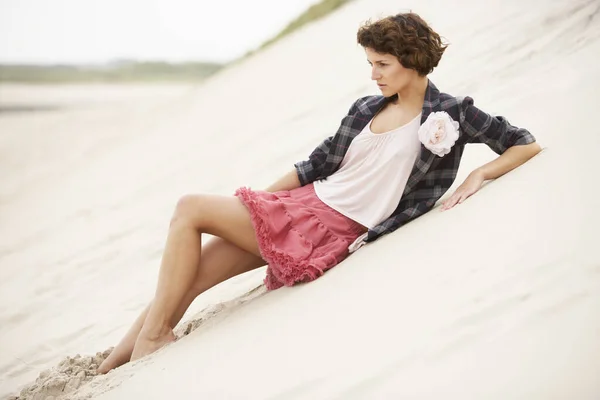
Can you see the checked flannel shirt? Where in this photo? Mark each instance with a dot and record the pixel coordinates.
(431, 175)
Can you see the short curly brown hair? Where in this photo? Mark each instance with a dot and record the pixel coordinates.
(406, 36)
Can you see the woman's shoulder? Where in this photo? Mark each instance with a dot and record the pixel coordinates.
(448, 101)
(454, 105)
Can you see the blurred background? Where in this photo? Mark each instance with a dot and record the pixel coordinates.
(114, 41)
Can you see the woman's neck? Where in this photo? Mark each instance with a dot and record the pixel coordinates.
(414, 93)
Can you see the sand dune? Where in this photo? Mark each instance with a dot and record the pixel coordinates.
(498, 298)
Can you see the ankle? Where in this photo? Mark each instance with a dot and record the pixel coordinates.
(156, 332)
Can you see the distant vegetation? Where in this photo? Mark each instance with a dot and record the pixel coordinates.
(132, 70)
(314, 12)
(119, 71)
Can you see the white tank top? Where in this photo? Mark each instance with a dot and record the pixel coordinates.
(373, 174)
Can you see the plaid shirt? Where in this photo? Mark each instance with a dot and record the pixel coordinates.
(431, 175)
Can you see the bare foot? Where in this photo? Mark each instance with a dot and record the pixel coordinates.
(117, 357)
(146, 345)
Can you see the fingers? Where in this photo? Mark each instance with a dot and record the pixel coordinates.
(457, 198)
(451, 202)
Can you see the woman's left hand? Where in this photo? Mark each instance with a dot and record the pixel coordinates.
(470, 186)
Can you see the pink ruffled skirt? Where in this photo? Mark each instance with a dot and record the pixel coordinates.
(298, 235)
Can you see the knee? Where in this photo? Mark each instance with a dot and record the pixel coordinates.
(188, 211)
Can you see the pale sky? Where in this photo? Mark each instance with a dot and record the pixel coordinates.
(90, 31)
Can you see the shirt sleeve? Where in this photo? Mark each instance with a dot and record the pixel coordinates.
(312, 169)
(494, 131)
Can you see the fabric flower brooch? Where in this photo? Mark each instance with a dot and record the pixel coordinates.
(438, 133)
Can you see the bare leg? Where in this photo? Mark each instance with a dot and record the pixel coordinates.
(220, 260)
(122, 352)
(221, 216)
(177, 272)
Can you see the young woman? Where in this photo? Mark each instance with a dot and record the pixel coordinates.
(392, 158)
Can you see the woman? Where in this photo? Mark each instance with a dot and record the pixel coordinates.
(392, 158)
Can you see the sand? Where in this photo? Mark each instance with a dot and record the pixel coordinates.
(497, 298)
(72, 373)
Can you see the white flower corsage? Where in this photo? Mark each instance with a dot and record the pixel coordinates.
(438, 133)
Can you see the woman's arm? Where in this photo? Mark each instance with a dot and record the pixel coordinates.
(509, 160)
(310, 170)
(287, 182)
(514, 146)
(494, 131)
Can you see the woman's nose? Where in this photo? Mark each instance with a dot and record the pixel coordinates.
(375, 75)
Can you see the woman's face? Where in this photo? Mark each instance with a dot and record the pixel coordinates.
(390, 75)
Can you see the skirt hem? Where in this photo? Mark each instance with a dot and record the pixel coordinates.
(282, 269)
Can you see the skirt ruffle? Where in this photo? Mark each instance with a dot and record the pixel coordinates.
(298, 235)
